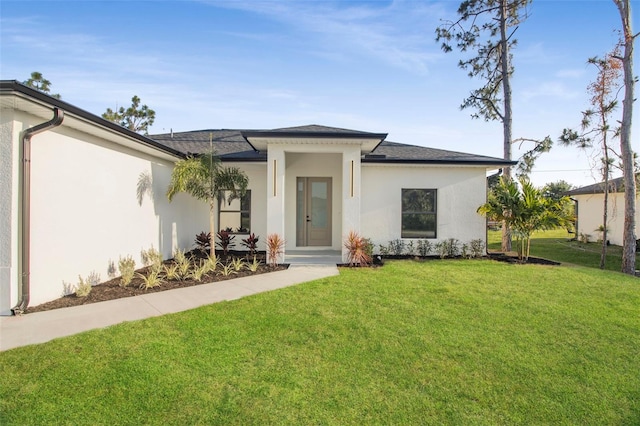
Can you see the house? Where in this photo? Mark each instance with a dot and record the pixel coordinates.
(74, 205)
(590, 211)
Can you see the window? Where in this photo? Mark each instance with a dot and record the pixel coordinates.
(419, 213)
(235, 214)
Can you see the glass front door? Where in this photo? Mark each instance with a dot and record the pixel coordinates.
(313, 212)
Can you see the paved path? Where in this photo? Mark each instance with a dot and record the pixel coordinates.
(40, 327)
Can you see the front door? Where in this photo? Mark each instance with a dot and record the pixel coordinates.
(313, 207)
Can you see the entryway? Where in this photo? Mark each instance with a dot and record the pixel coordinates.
(313, 212)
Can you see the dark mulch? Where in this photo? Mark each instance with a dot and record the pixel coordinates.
(111, 289)
(501, 257)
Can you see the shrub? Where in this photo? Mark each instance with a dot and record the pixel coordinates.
(251, 243)
(226, 241)
(448, 248)
(127, 267)
(465, 251)
(396, 247)
(152, 257)
(384, 250)
(151, 280)
(171, 272)
(424, 247)
(227, 269)
(183, 264)
(67, 288)
(356, 249)
(476, 248)
(253, 266)
(203, 241)
(211, 263)
(83, 288)
(410, 248)
(237, 264)
(199, 271)
(275, 247)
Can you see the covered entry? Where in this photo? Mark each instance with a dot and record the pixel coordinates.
(313, 211)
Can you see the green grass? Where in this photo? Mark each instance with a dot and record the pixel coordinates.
(558, 245)
(438, 342)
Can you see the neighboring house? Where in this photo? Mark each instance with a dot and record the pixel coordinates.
(309, 184)
(590, 211)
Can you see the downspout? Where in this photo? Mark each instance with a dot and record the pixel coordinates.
(486, 227)
(25, 197)
(575, 211)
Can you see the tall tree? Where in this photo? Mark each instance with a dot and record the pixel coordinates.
(487, 28)
(206, 179)
(137, 118)
(596, 127)
(629, 234)
(38, 82)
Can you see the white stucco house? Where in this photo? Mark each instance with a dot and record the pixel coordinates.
(69, 201)
(590, 210)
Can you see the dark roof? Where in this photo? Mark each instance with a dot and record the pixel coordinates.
(615, 185)
(7, 86)
(231, 145)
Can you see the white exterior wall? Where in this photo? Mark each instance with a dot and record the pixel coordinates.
(460, 191)
(85, 211)
(590, 215)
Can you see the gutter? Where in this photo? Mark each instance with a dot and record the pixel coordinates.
(25, 196)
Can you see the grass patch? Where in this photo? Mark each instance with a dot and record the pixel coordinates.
(557, 244)
(454, 342)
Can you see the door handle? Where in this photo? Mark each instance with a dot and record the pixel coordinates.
(308, 219)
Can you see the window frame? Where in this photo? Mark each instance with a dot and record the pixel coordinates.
(240, 211)
(433, 213)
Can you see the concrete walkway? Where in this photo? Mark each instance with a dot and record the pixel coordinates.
(41, 327)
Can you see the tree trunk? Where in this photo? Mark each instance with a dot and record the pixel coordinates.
(212, 228)
(629, 237)
(605, 214)
(507, 120)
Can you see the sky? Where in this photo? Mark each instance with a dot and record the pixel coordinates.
(365, 65)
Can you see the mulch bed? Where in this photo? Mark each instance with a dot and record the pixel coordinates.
(111, 289)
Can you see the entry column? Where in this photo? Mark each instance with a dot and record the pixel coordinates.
(275, 192)
(350, 193)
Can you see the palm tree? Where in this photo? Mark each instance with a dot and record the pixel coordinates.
(525, 211)
(204, 178)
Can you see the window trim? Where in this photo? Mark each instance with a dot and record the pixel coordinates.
(433, 213)
(240, 211)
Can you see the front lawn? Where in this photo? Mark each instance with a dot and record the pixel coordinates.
(435, 342)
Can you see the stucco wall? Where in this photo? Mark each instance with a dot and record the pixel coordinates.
(8, 205)
(460, 191)
(85, 209)
(590, 215)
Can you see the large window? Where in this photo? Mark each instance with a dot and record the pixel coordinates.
(419, 213)
(235, 214)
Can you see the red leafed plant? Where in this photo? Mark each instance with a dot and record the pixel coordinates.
(358, 249)
(275, 247)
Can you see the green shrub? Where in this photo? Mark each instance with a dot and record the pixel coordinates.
(237, 264)
(127, 267)
(171, 272)
(448, 248)
(424, 247)
(476, 248)
(211, 263)
(227, 269)
(199, 271)
(396, 247)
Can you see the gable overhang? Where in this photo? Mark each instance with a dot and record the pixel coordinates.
(260, 140)
(14, 95)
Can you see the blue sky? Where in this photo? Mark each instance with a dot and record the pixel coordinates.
(365, 65)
